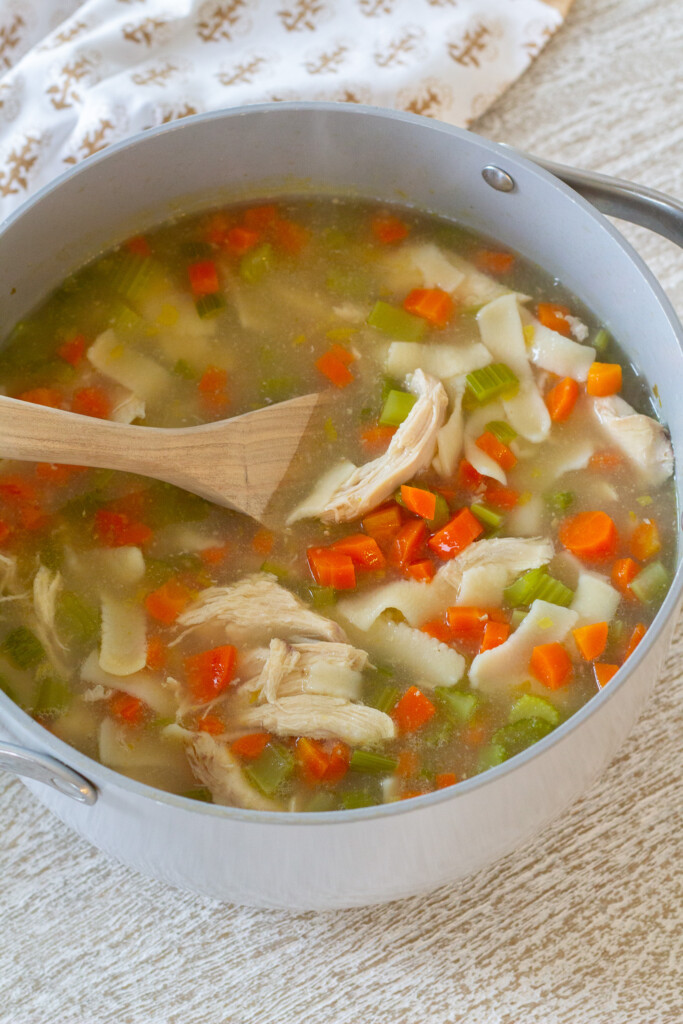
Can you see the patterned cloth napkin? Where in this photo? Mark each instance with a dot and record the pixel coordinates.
(78, 75)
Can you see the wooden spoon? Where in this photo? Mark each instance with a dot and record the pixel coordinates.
(238, 462)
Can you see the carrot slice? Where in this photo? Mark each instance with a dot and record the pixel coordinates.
(467, 623)
(554, 316)
(203, 277)
(603, 379)
(251, 746)
(289, 236)
(388, 229)
(377, 436)
(495, 634)
(496, 450)
(624, 571)
(215, 555)
(336, 371)
(432, 304)
(438, 629)
(167, 602)
(240, 239)
(212, 724)
(408, 764)
(91, 402)
(73, 350)
(445, 779)
(499, 496)
(637, 635)
(408, 542)
(117, 530)
(492, 262)
(590, 535)
(413, 710)
(129, 710)
(468, 477)
(258, 218)
(423, 571)
(156, 653)
(456, 534)
(604, 672)
(383, 524)
(419, 501)
(262, 541)
(561, 400)
(605, 461)
(551, 665)
(338, 762)
(210, 672)
(645, 540)
(138, 246)
(43, 396)
(331, 568)
(591, 639)
(363, 551)
(312, 758)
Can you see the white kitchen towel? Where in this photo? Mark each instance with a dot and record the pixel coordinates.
(77, 76)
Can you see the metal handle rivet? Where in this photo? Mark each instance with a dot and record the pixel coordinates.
(497, 178)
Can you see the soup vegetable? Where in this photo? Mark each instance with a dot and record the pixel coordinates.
(484, 535)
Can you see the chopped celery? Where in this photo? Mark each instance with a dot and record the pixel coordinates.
(169, 504)
(280, 571)
(132, 275)
(330, 429)
(209, 305)
(76, 620)
(271, 769)
(438, 732)
(490, 756)
(255, 264)
(319, 597)
(519, 735)
(183, 369)
(487, 516)
(531, 706)
(601, 341)
(644, 500)
(517, 618)
(355, 798)
(367, 761)
(158, 570)
(51, 553)
(442, 513)
(615, 632)
(200, 793)
(279, 389)
(537, 584)
(381, 695)
(351, 283)
(396, 408)
(6, 688)
(23, 648)
(559, 501)
(54, 695)
(651, 583)
(502, 430)
(321, 802)
(395, 322)
(491, 381)
(458, 705)
(122, 317)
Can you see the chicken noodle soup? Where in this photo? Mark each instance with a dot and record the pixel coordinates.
(484, 536)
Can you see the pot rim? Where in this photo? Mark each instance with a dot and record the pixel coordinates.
(92, 769)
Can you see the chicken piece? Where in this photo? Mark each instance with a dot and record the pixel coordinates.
(46, 588)
(450, 438)
(217, 769)
(257, 607)
(514, 555)
(411, 450)
(128, 408)
(319, 717)
(314, 503)
(643, 439)
(329, 669)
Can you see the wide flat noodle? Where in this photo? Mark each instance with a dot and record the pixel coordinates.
(135, 371)
(552, 351)
(442, 361)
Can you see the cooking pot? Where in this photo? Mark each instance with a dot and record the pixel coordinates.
(374, 854)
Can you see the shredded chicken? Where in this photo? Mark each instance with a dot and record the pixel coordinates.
(46, 588)
(514, 555)
(411, 450)
(329, 669)
(320, 718)
(642, 439)
(217, 769)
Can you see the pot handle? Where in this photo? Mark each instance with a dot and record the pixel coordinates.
(623, 199)
(48, 770)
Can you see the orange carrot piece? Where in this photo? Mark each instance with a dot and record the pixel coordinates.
(167, 602)
(377, 436)
(492, 262)
(468, 477)
(203, 277)
(5, 531)
(445, 779)
(343, 354)
(645, 540)
(383, 524)
(17, 490)
(129, 710)
(466, 623)
(551, 665)
(408, 764)
(117, 530)
(419, 501)
(554, 316)
(43, 396)
(499, 496)
(240, 240)
(591, 639)
(432, 304)
(212, 724)
(91, 402)
(495, 634)
(438, 629)
(213, 380)
(606, 460)
(262, 541)
(210, 672)
(292, 238)
(138, 246)
(603, 379)
(156, 653)
(73, 350)
(496, 450)
(637, 635)
(475, 733)
(336, 371)
(363, 551)
(57, 472)
(338, 762)
(408, 543)
(251, 746)
(215, 555)
(604, 672)
(462, 529)
(258, 218)
(590, 535)
(331, 568)
(413, 710)
(388, 229)
(624, 571)
(561, 400)
(311, 757)
(422, 571)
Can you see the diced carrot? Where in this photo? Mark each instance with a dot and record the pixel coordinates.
(213, 387)
(462, 529)
(258, 218)
(217, 227)
(33, 518)
(422, 571)
(475, 733)
(73, 350)
(554, 316)
(561, 400)
(412, 793)
(338, 762)
(214, 555)
(240, 240)
(336, 371)
(262, 541)
(377, 436)
(604, 672)
(138, 246)
(343, 354)
(590, 535)
(408, 543)
(413, 710)
(167, 602)
(17, 490)
(383, 524)
(209, 673)
(43, 396)
(363, 551)
(388, 229)
(91, 402)
(57, 473)
(551, 665)
(331, 568)
(495, 634)
(637, 635)
(624, 571)
(408, 764)
(605, 461)
(496, 450)
(466, 623)
(468, 477)
(419, 501)
(203, 277)
(156, 653)
(129, 710)
(499, 496)
(603, 379)
(5, 531)
(116, 530)
(492, 262)
(212, 724)
(645, 541)
(432, 304)
(445, 779)
(251, 746)
(312, 758)
(591, 639)
(438, 629)
(292, 238)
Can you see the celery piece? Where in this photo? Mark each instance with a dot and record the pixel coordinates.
(351, 283)
(438, 732)
(322, 801)
(132, 275)
(76, 620)
(396, 408)
(51, 553)
(200, 793)
(158, 570)
(537, 584)
(519, 735)
(279, 389)
(169, 504)
(255, 264)
(560, 501)
(330, 430)
(318, 597)
(6, 688)
(487, 516)
(209, 305)
(490, 756)
(458, 705)
(491, 381)
(122, 317)
(280, 571)
(502, 430)
(382, 696)
(183, 369)
(395, 322)
(531, 706)
(601, 341)
(355, 798)
(615, 632)
(54, 695)
(442, 513)
(651, 583)
(23, 648)
(644, 500)
(271, 768)
(367, 761)
(517, 618)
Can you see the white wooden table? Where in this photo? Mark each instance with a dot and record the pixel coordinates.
(582, 926)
